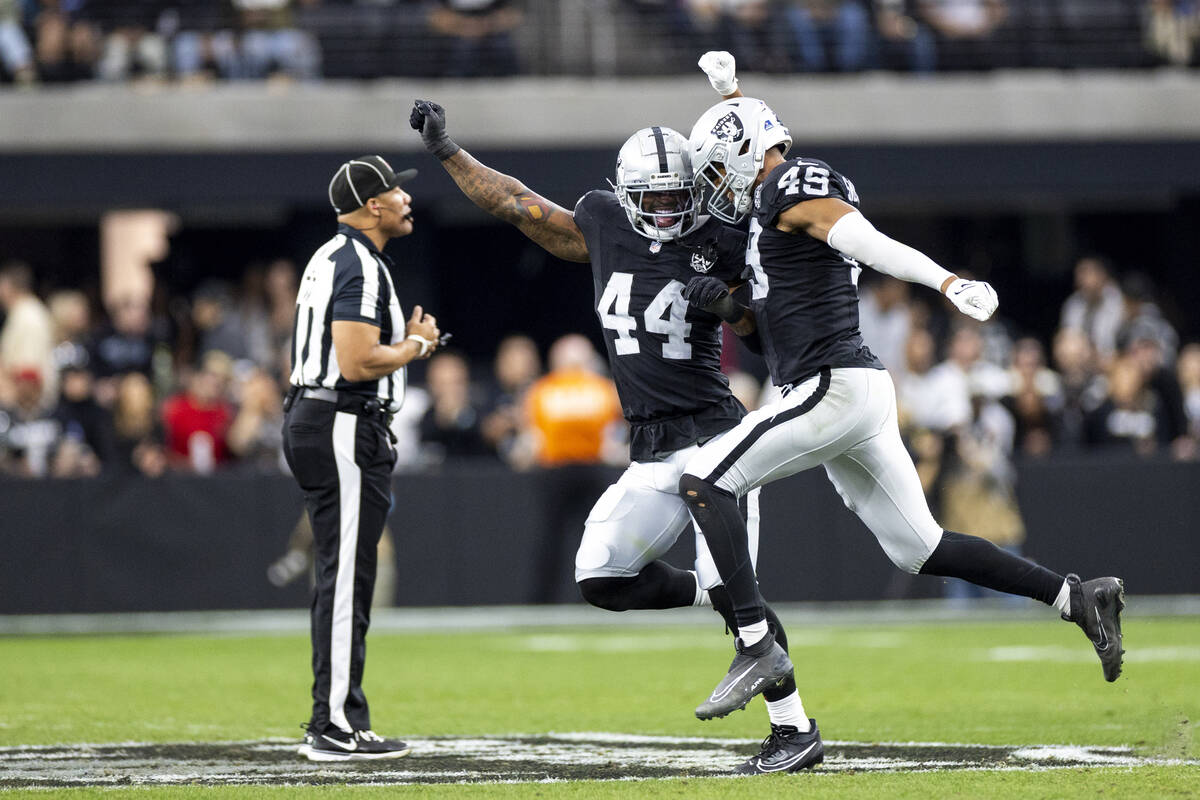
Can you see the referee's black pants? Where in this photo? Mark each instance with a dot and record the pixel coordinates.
(342, 459)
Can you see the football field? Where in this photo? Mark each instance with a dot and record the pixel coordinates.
(965, 707)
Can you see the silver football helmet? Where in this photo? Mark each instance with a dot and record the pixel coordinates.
(727, 146)
(655, 184)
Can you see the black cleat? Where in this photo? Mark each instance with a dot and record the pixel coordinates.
(1096, 607)
(786, 750)
(754, 668)
(335, 744)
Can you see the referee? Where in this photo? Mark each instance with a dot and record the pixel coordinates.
(350, 345)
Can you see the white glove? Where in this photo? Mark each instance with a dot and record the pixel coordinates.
(976, 299)
(719, 66)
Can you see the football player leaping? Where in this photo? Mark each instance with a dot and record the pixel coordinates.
(838, 409)
(664, 357)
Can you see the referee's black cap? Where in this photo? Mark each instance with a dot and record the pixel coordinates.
(362, 178)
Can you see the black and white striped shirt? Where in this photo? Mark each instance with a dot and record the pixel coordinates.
(347, 279)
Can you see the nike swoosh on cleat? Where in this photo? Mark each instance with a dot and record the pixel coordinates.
(718, 696)
(785, 764)
(1103, 643)
(349, 746)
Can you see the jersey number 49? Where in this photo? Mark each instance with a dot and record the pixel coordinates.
(665, 315)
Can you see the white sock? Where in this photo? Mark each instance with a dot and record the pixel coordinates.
(789, 711)
(1063, 601)
(702, 598)
(752, 633)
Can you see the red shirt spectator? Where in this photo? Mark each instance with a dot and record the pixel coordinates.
(197, 421)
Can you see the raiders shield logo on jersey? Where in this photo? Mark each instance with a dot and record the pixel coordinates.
(728, 128)
(701, 264)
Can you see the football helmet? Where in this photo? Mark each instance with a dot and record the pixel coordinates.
(655, 184)
(727, 146)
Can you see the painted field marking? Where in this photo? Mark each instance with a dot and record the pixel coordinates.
(519, 758)
(1075, 655)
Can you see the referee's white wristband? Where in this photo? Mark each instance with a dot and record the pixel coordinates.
(421, 340)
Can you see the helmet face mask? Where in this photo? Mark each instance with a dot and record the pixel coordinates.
(728, 146)
(655, 185)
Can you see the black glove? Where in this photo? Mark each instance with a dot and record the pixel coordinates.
(712, 295)
(430, 119)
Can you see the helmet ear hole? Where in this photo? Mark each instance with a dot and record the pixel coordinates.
(745, 148)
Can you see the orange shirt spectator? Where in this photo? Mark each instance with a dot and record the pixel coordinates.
(571, 411)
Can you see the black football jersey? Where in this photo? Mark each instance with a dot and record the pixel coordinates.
(665, 356)
(803, 292)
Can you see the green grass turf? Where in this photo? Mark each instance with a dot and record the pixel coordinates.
(903, 682)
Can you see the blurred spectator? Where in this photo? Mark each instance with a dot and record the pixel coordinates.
(16, 54)
(1083, 388)
(884, 319)
(517, 365)
(273, 44)
(29, 435)
(479, 36)
(279, 287)
(947, 393)
(450, 427)
(71, 315)
(67, 48)
(256, 434)
(27, 338)
(1130, 418)
(904, 42)
(1172, 28)
(759, 37)
(831, 35)
(920, 397)
(573, 413)
(968, 32)
(132, 45)
(84, 421)
(1096, 307)
(238, 329)
(1034, 399)
(204, 44)
(1188, 370)
(197, 421)
(1143, 320)
(978, 492)
(1147, 354)
(138, 435)
(126, 344)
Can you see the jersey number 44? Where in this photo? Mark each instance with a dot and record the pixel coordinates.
(664, 315)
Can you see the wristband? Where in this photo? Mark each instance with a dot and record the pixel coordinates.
(421, 340)
(443, 148)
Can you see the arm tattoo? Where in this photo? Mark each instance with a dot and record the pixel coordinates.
(506, 198)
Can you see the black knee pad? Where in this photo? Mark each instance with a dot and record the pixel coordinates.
(606, 593)
(698, 492)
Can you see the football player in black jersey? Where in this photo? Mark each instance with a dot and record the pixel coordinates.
(663, 353)
(838, 409)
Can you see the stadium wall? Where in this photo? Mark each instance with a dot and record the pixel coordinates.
(477, 535)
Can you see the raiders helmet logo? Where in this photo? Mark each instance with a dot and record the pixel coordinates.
(728, 128)
(701, 264)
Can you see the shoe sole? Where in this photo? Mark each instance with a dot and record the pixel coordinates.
(325, 755)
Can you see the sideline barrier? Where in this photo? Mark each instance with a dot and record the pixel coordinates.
(477, 535)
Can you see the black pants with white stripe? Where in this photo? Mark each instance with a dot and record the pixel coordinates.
(343, 461)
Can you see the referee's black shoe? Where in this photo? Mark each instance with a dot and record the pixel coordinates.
(1096, 607)
(334, 744)
(786, 750)
(754, 668)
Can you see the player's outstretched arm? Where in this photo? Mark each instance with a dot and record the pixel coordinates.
(846, 230)
(502, 196)
(721, 69)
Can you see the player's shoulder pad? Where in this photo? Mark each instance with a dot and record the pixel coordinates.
(596, 201)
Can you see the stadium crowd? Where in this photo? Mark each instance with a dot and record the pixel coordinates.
(57, 41)
(193, 384)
